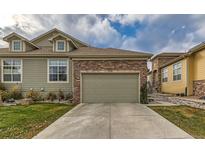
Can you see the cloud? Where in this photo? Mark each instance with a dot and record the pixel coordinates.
(152, 33)
(92, 29)
(168, 33)
(131, 19)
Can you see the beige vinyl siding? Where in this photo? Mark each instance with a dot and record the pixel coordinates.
(35, 76)
(28, 47)
(44, 42)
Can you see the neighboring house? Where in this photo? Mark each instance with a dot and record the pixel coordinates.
(157, 61)
(185, 74)
(56, 60)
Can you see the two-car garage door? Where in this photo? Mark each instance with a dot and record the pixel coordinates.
(110, 88)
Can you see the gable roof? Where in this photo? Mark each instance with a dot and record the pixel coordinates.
(166, 54)
(196, 48)
(191, 51)
(51, 39)
(86, 52)
(6, 38)
(61, 32)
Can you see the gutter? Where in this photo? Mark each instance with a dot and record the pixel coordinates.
(107, 56)
(175, 60)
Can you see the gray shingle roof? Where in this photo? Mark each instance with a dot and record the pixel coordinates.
(80, 52)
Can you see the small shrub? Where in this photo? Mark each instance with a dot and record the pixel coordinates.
(2, 87)
(15, 92)
(61, 95)
(5, 96)
(51, 96)
(69, 96)
(143, 94)
(34, 95)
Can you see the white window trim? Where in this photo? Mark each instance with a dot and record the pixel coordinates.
(12, 47)
(164, 70)
(48, 81)
(2, 71)
(175, 69)
(57, 45)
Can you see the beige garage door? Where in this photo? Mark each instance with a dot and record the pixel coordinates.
(110, 88)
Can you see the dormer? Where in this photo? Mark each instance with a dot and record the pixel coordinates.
(58, 41)
(62, 43)
(18, 43)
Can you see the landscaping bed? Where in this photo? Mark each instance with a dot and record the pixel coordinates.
(25, 121)
(191, 120)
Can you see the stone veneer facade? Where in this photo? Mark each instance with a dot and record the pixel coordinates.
(156, 74)
(199, 88)
(106, 66)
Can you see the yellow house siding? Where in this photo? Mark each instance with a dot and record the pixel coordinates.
(190, 71)
(175, 86)
(199, 65)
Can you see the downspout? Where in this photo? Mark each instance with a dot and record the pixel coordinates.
(187, 77)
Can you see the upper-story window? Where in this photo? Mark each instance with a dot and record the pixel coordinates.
(177, 71)
(16, 45)
(60, 45)
(164, 75)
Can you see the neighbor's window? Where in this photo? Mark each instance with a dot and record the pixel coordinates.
(16, 45)
(12, 70)
(177, 71)
(58, 70)
(164, 75)
(60, 45)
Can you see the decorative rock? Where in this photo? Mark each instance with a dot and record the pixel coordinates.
(26, 101)
(196, 103)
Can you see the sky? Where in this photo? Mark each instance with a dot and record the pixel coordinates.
(149, 33)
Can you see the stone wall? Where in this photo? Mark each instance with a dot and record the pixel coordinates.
(196, 103)
(107, 66)
(199, 88)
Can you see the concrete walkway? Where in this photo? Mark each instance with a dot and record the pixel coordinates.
(104, 121)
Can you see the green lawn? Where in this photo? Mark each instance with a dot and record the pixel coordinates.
(26, 121)
(189, 119)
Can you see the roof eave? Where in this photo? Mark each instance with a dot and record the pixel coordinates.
(174, 61)
(107, 56)
(6, 38)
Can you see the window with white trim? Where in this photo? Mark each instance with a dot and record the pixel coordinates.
(164, 75)
(16, 45)
(12, 70)
(58, 70)
(177, 71)
(60, 45)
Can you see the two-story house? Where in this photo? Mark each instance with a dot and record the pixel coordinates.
(157, 61)
(56, 60)
(186, 74)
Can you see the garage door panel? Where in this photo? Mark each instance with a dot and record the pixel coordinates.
(110, 88)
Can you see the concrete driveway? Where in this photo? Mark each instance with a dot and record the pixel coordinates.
(104, 121)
